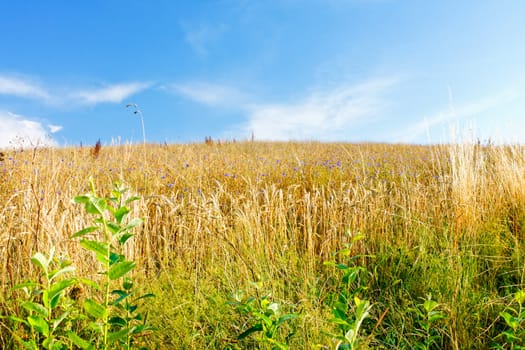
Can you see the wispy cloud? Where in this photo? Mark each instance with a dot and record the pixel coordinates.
(20, 131)
(110, 94)
(332, 113)
(200, 36)
(26, 88)
(22, 88)
(326, 114)
(454, 115)
(209, 94)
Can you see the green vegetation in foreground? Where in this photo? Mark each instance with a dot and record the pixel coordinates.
(265, 246)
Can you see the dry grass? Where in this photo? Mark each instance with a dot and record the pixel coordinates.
(266, 210)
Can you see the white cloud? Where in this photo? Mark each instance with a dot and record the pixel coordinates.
(453, 116)
(21, 88)
(116, 93)
(326, 114)
(209, 94)
(19, 131)
(110, 94)
(54, 128)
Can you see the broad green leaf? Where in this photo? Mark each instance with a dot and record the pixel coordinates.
(58, 287)
(96, 205)
(59, 320)
(120, 269)
(39, 324)
(340, 321)
(81, 343)
(25, 285)
(268, 321)
(94, 309)
(117, 321)
(89, 283)
(35, 307)
(17, 319)
(121, 213)
(142, 328)
(131, 309)
(41, 261)
(285, 318)
(122, 239)
(256, 328)
(430, 305)
(133, 223)
(344, 252)
(520, 297)
(351, 276)
(131, 199)
(100, 249)
(265, 302)
(115, 258)
(114, 227)
(146, 296)
(511, 337)
(84, 231)
(81, 199)
(92, 204)
(114, 336)
(45, 298)
(121, 296)
(127, 284)
(512, 322)
(67, 269)
(435, 316)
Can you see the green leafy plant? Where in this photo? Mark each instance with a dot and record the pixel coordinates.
(348, 309)
(428, 314)
(50, 312)
(514, 316)
(115, 316)
(110, 318)
(264, 317)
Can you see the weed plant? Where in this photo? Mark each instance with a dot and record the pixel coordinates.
(54, 316)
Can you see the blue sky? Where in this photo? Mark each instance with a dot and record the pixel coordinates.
(326, 70)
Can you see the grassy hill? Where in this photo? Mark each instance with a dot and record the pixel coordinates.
(432, 237)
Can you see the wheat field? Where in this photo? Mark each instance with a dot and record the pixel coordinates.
(444, 220)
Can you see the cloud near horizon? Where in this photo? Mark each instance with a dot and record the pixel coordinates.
(19, 131)
(326, 114)
(456, 119)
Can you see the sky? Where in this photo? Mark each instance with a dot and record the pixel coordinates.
(406, 71)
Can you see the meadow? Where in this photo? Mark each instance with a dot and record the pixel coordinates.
(253, 245)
